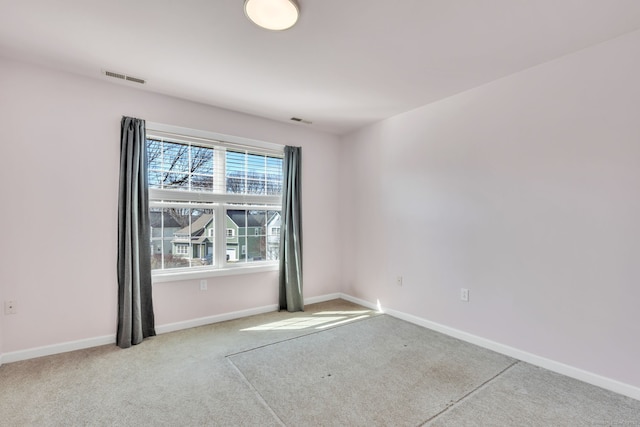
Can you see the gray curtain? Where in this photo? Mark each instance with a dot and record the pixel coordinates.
(135, 306)
(291, 298)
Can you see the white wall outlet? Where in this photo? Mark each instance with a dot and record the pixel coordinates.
(203, 285)
(10, 307)
(399, 280)
(464, 294)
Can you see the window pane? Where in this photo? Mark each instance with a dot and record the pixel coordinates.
(255, 165)
(273, 235)
(154, 154)
(157, 242)
(155, 179)
(256, 174)
(255, 186)
(202, 160)
(253, 242)
(175, 157)
(178, 166)
(177, 181)
(235, 172)
(201, 183)
(202, 237)
(274, 176)
(181, 237)
(154, 163)
(236, 185)
(253, 173)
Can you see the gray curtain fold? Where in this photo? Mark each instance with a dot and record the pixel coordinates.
(291, 298)
(135, 305)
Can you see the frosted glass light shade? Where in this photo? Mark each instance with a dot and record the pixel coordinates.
(273, 15)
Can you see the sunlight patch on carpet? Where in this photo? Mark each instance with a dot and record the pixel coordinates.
(377, 371)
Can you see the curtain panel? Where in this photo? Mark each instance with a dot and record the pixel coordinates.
(135, 305)
(291, 296)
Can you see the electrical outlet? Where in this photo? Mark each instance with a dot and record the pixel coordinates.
(464, 294)
(203, 285)
(10, 307)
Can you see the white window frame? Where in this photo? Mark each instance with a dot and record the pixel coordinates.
(181, 246)
(216, 201)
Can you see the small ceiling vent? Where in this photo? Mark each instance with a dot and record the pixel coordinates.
(124, 77)
(297, 119)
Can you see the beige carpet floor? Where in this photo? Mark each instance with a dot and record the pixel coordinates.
(335, 364)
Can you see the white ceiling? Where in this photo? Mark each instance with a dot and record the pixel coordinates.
(345, 64)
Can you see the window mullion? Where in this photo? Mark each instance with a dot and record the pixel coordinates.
(220, 237)
(189, 247)
(162, 238)
(190, 167)
(219, 168)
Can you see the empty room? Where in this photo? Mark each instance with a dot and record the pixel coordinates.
(300, 213)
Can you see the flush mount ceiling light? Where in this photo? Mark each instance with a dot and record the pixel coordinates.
(273, 15)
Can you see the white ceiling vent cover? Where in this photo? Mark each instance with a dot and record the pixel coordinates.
(124, 77)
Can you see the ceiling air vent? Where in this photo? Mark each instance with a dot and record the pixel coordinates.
(124, 77)
(297, 119)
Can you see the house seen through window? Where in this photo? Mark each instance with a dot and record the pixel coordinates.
(212, 204)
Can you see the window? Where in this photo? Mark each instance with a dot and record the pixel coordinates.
(182, 249)
(211, 202)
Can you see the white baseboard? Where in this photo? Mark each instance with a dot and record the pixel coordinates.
(111, 339)
(161, 329)
(172, 327)
(64, 347)
(322, 298)
(49, 350)
(360, 302)
(552, 365)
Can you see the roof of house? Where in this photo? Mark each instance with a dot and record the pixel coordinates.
(197, 226)
(243, 218)
(156, 217)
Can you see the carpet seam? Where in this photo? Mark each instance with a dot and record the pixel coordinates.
(304, 335)
(257, 393)
(473, 391)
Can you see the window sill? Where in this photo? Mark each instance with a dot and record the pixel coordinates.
(165, 277)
